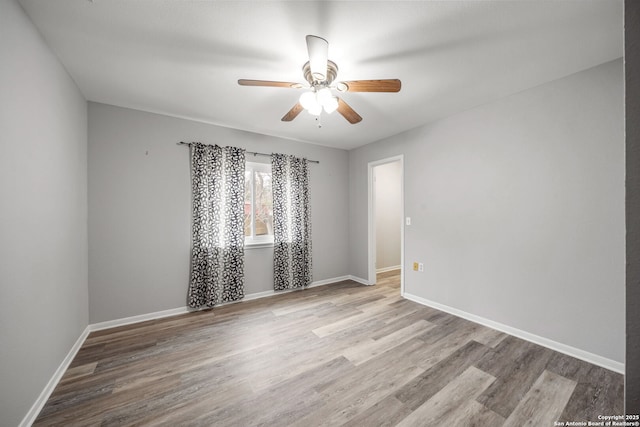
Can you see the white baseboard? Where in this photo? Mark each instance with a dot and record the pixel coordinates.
(360, 280)
(385, 269)
(329, 281)
(258, 295)
(545, 342)
(53, 382)
(137, 319)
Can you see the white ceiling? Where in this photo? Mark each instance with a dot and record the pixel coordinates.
(183, 58)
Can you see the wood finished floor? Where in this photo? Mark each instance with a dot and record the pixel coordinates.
(342, 354)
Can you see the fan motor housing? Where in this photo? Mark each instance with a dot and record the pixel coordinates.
(332, 72)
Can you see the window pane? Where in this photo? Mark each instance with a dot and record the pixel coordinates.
(264, 204)
(258, 206)
(247, 203)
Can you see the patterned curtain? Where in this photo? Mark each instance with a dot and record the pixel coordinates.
(291, 222)
(217, 246)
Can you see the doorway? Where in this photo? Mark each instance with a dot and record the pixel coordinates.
(386, 218)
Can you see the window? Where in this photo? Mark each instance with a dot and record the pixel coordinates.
(258, 204)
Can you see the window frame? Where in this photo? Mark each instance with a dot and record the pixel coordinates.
(254, 241)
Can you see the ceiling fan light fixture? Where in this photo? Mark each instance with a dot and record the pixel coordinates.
(308, 100)
(315, 110)
(324, 95)
(315, 102)
(330, 105)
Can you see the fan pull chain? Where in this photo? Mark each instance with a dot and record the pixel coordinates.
(319, 121)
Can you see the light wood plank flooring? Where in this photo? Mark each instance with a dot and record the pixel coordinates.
(341, 354)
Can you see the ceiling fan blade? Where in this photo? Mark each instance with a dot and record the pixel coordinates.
(293, 113)
(389, 85)
(318, 49)
(348, 112)
(245, 82)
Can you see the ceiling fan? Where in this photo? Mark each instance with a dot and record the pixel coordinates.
(320, 73)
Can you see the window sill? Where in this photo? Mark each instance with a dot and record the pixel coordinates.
(258, 245)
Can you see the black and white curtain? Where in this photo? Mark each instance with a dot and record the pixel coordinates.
(291, 222)
(217, 247)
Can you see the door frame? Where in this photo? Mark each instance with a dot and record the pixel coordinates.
(372, 223)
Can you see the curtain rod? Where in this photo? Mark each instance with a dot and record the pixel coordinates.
(254, 153)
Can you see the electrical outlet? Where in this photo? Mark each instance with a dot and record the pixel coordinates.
(421, 267)
(415, 266)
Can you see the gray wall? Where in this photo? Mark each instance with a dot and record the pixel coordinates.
(388, 212)
(632, 88)
(517, 210)
(43, 218)
(139, 209)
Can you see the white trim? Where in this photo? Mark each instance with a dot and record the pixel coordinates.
(371, 241)
(258, 245)
(385, 269)
(329, 281)
(258, 295)
(137, 319)
(259, 166)
(361, 280)
(37, 406)
(545, 342)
